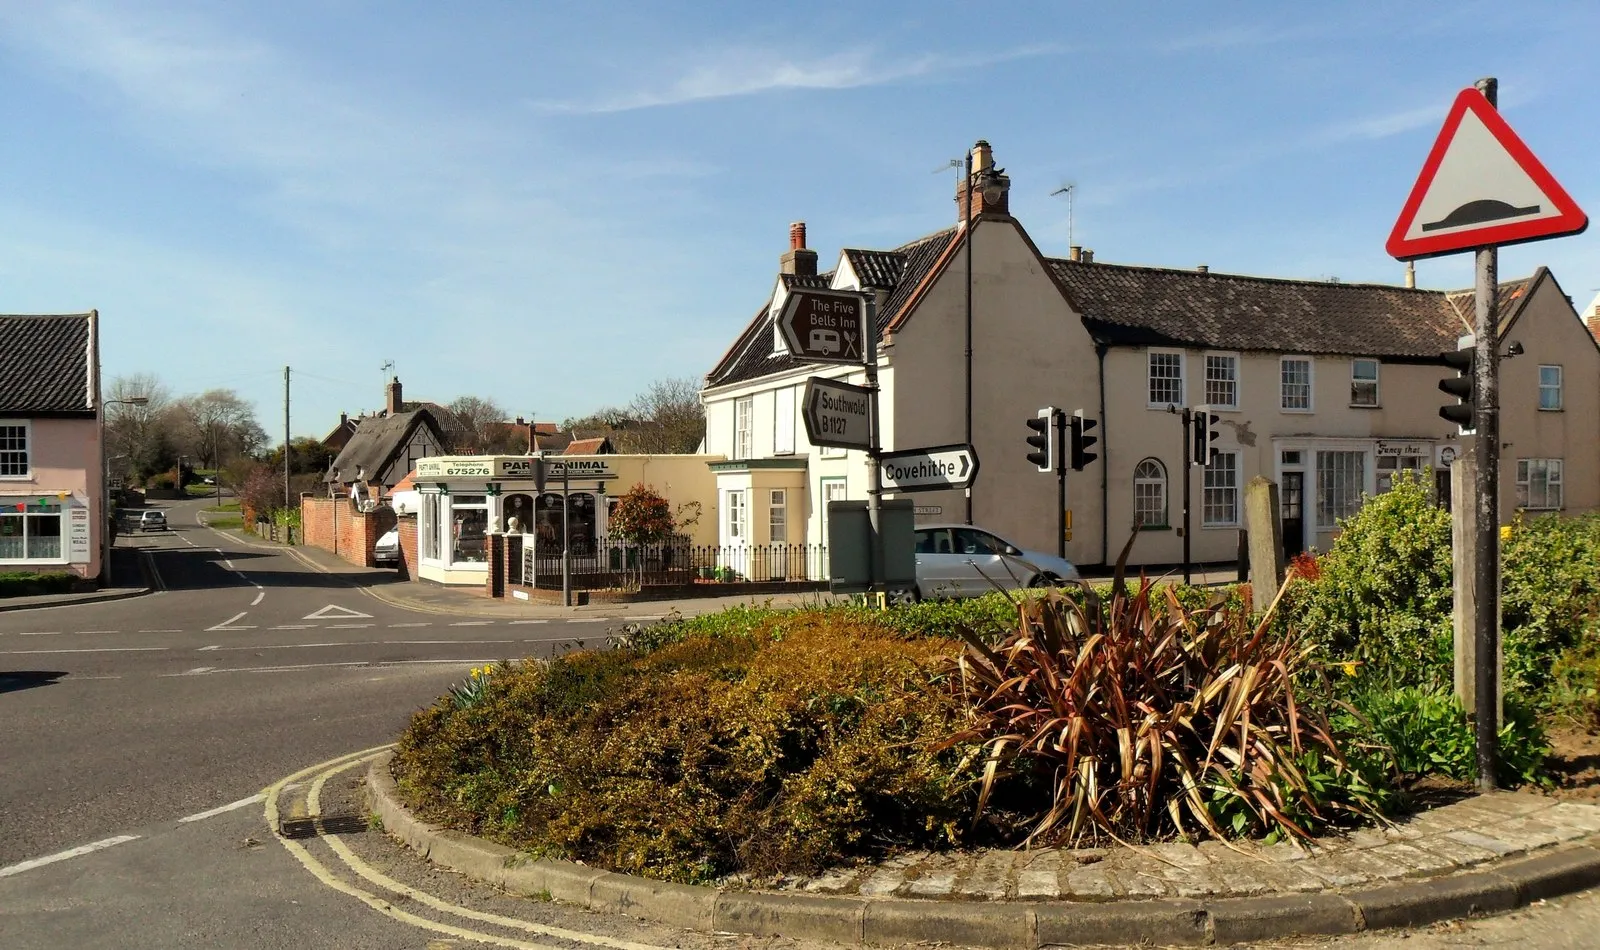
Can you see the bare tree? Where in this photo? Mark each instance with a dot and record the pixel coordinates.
(128, 427)
(217, 424)
(669, 417)
(476, 425)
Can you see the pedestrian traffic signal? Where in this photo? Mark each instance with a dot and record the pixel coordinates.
(1081, 440)
(1205, 433)
(1043, 439)
(1465, 363)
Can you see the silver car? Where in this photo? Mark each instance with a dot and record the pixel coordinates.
(957, 560)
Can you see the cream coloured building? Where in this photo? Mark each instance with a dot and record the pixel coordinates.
(1328, 388)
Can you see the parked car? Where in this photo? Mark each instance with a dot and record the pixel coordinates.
(152, 521)
(957, 560)
(386, 553)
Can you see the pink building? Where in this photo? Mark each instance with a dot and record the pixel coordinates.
(52, 490)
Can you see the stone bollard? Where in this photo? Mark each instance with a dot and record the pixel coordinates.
(1262, 520)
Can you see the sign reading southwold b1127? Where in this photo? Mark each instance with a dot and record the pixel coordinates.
(823, 326)
(837, 414)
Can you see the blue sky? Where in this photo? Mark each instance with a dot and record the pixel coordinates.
(553, 204)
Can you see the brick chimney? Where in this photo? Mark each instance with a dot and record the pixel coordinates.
(1594, 323)
(798, 260)
(392, 403)
(990, 187)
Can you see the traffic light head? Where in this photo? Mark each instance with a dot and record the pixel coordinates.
(1462, 386)
(1081, 441)
(1042, 440)
(1205, 435)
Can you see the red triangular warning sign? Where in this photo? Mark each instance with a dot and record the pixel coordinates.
(1479, 187)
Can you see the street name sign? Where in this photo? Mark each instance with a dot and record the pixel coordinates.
(837, 414)
(823, 326)
(939, 468)
(1480, 187)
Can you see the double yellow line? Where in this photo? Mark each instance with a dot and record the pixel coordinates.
(313, 806)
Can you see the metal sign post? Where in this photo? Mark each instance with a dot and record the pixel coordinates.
(875, 450)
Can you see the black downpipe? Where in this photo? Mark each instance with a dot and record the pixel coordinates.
(1105, 460)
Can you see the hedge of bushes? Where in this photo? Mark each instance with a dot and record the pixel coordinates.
(30, 584)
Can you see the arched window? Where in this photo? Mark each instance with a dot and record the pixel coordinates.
(1150, 494)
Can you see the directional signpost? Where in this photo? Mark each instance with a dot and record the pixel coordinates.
(824, 326)
(837, 414)
(1481, 187)
(941, 468)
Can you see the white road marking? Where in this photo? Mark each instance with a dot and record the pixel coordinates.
(290, 646)
(293, 626)
(347, 664)
(348, 626)
(259, 598)
(41, 633)
(588, 619)
(229, 622)
(223, 809)
(472, 623)
(422, 624)
(335, 612)
(214, 646)
(91, 650)
(200, 669)
(515, 622)
(99, 631)
(160, 631)
(79, 851)
(438, 642)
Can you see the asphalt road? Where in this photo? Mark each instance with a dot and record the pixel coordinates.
(137, 737)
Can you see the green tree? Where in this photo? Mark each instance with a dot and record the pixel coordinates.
(641, 516)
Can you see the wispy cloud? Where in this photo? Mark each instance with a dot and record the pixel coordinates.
(752, 71)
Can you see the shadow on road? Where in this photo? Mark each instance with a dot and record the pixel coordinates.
(202, 569)
(15, 680)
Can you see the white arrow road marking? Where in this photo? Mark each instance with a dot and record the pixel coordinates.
(79, 851)
(335, 612)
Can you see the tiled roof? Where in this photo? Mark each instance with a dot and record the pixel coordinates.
(407, 483)
(879, 270)
(751, 355)
(809, 281)
(377, 440)
(601, 446)
(44, 363)
(1154, 306)
(1463, 302)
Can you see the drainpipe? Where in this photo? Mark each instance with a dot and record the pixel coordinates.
(966, 235)
(1105, 459)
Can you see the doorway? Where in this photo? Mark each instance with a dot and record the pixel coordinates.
(1291, 504)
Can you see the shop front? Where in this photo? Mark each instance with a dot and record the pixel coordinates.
(465, 499)
(1322, 481)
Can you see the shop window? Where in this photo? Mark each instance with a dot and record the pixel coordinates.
(431, 522)
(581, 515)
(1539, 484)
(1341, 476)
(1220, 500)
(1166, 379)
(1388, 465)
(14, 449)
(516, 511)
(1150, 494)
(1550, 388)
(1296, 394)
(1222, 381)
(1364, 383)
(469, 525)
(30, 531)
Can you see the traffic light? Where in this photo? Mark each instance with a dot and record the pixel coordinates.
(1043, 440)
(1205, 433)
(1081, 440)
(1465, 363)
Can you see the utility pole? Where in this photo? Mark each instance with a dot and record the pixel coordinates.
(1486, 450)
(566, 536)
(1188, 462)
(286, 440)
(966, 235)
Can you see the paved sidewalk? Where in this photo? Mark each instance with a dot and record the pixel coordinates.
(127, 565)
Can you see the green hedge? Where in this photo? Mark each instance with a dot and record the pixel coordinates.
(30, 584)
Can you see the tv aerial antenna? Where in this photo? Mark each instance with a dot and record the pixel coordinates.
(1069, 189)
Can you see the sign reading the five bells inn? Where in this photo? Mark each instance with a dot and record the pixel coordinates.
(512, 467)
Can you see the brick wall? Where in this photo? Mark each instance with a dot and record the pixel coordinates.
(408, 547)
(334, 524)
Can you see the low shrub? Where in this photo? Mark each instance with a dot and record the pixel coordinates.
(1119, 719)
(1550, 577)
(1417, 732)
(31, 584)
(761, 742)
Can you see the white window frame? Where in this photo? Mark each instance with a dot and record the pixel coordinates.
(1233, 361)
(777, 516)
(1283, 384)
(744, 425)
(1213, 471)
(1149, 379)
(1388, 466)
(1322, 485)
(430, 540)
(1159, 482)
(1376, 381)
(1557, 388)
(824, 489)
(783, 421)
(1552, 484)
(26, 425)
(737, 504)
(452, 503)
(27, 518)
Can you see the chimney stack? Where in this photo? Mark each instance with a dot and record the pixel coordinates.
(1411, 275)
(1204, 268)
(1088, 256)
(798, 260)
(392, 402)
(1594, 323)
(989, 190)
(1075, 253)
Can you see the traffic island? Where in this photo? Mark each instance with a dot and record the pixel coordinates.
(1486, 854)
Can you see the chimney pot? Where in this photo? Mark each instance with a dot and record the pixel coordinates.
(1411, 274)
(1075, 252)
(1204, 268)
(798, 260)
(797, 236)
(1088, 256)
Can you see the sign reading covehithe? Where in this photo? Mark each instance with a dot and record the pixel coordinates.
(823, 326)
(939, 468)
(837, 414)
